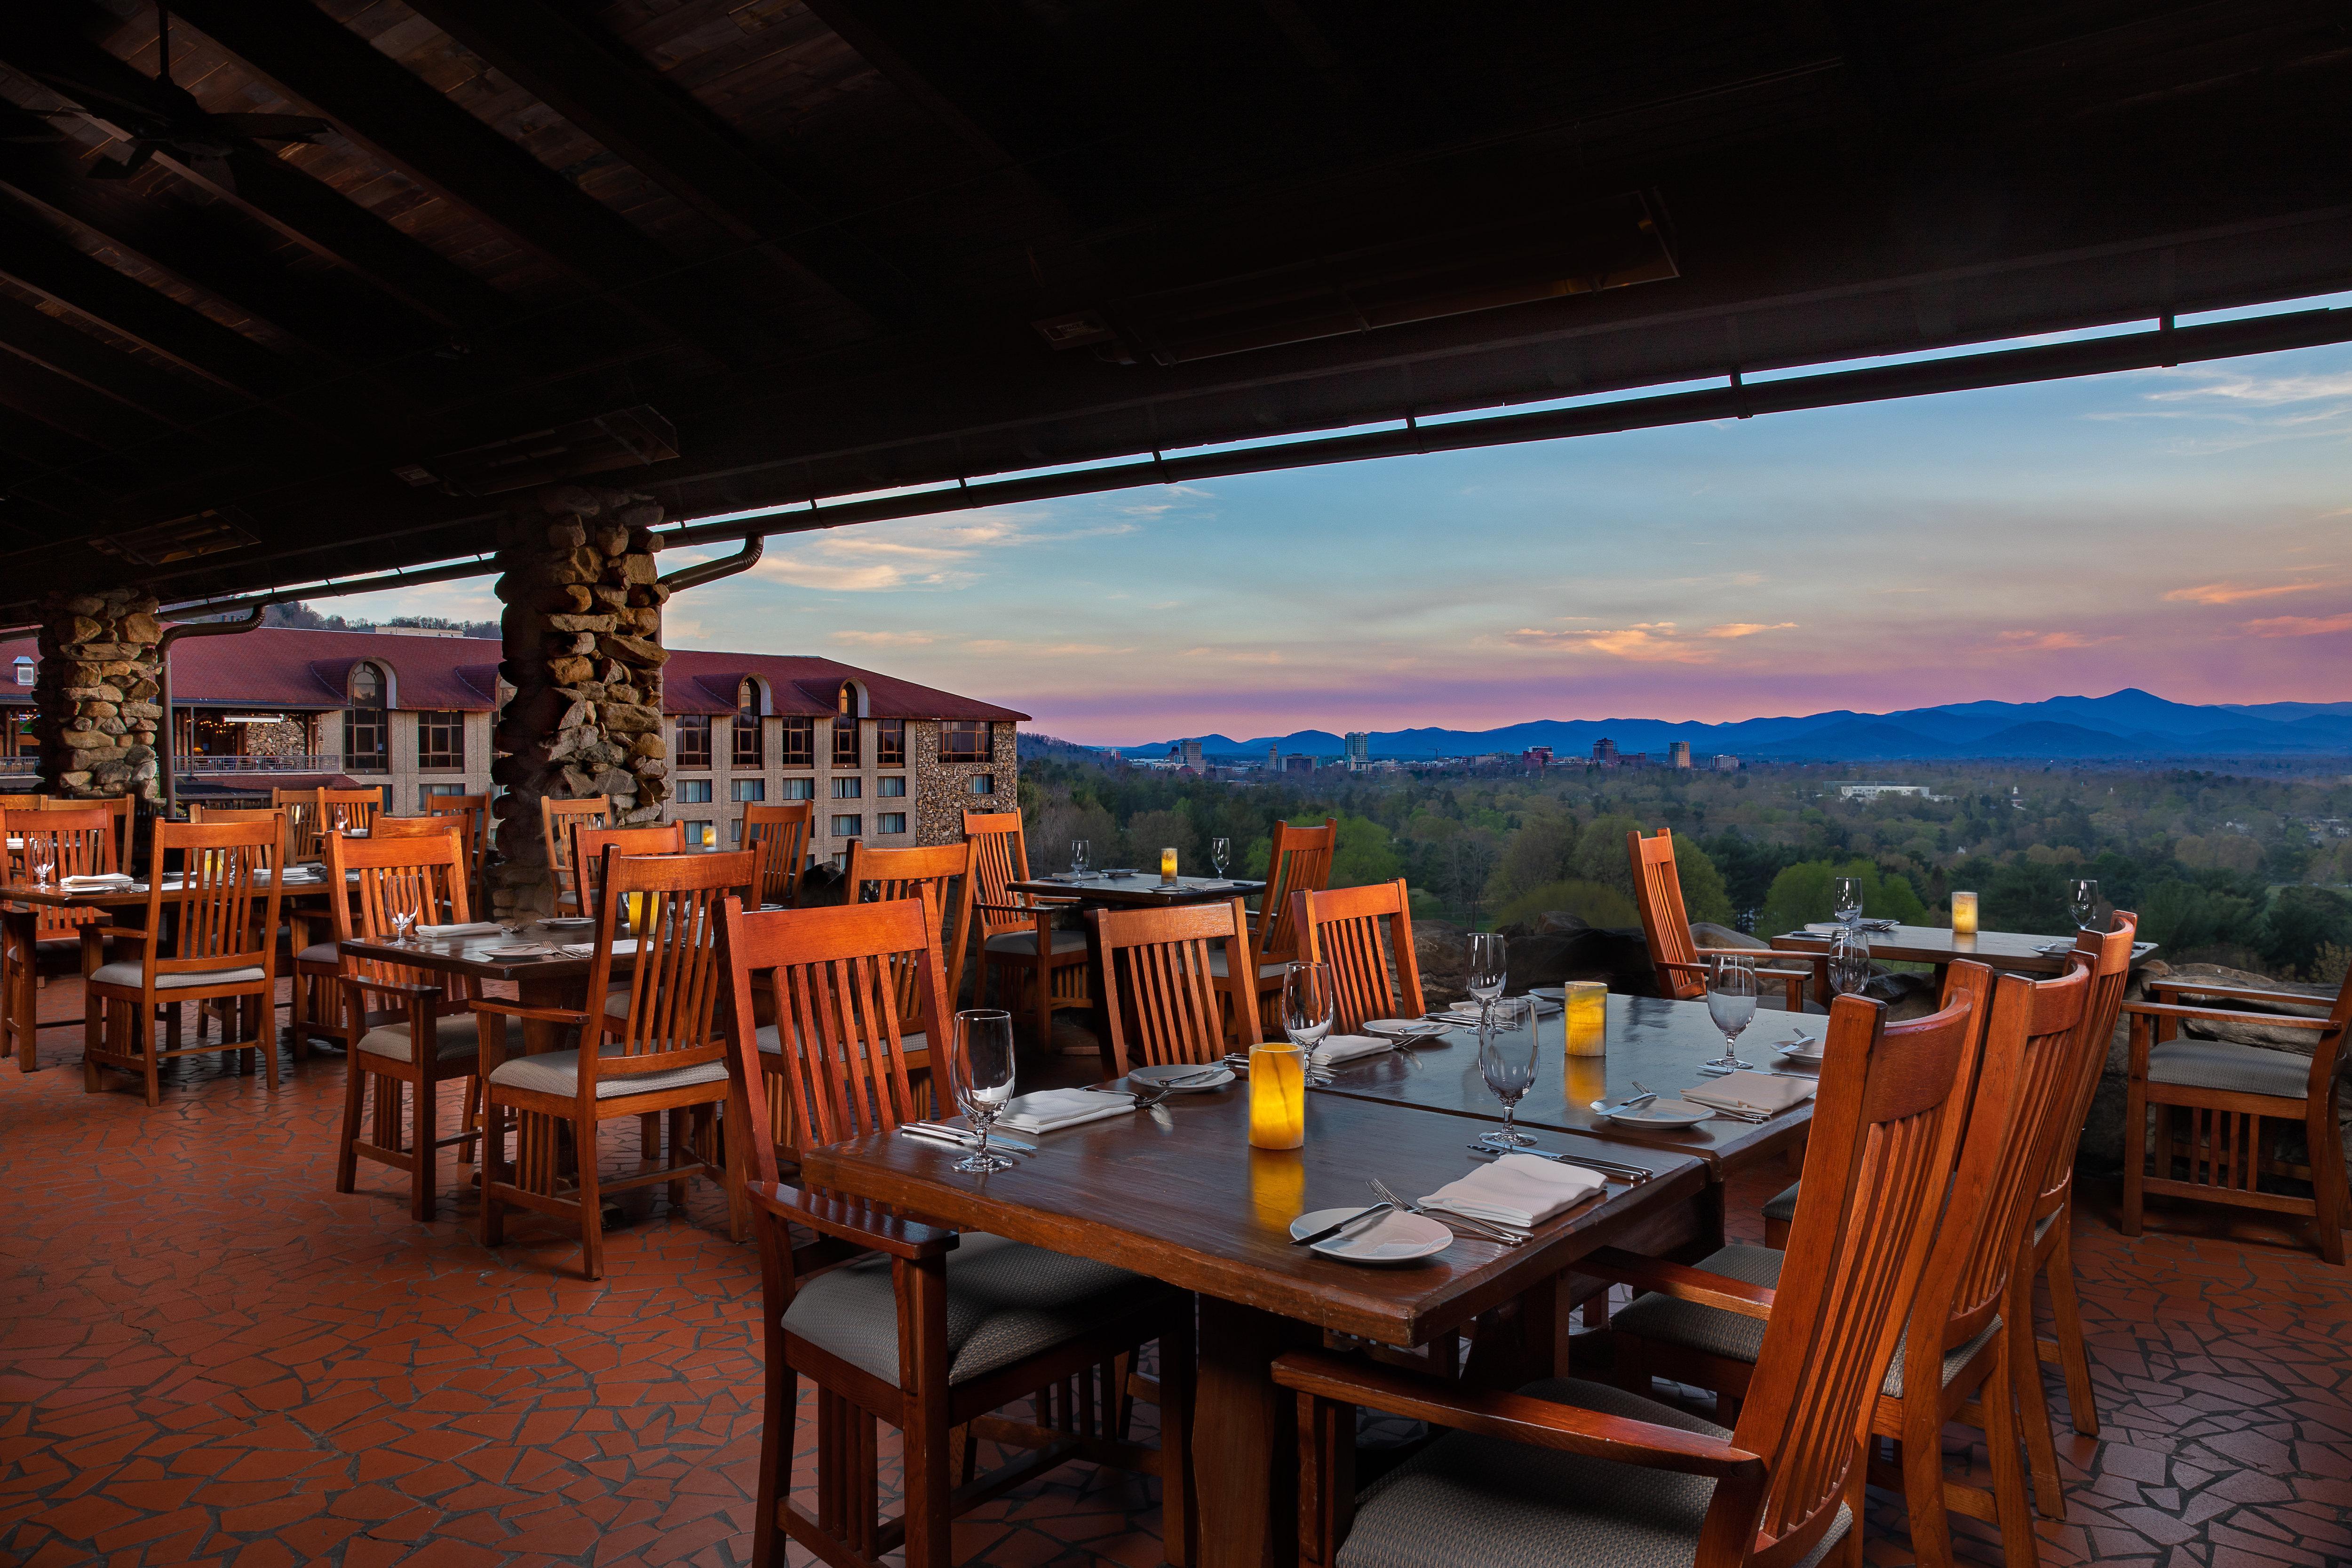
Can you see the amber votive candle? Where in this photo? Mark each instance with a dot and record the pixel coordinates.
(1587, 1012)
(1964, 914)
(1167, 864)
(1278, 1096)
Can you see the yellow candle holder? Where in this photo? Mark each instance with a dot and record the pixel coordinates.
(1587, 1012)
(1278, 1096)
(1167, 864)
(1587, 1080)
(1964, 914)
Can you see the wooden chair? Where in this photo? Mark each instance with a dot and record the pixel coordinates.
(122, 808)
(557, 819)
(22, 802)
(1597, 1474)
(589, 844)
(1299, 862)
(1681, 963)
(76, 843)
(474, 811)
(779, 836)
(1163, 1002)
(657, 1053)
(349, 810)
(2216, 1096)
(402, 873)
(1018, 943)
(1373, 974)
(440, 825)
(301, 809)
(905, 1322)
(942, 871)
(224, 939)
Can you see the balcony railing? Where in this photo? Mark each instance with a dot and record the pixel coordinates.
(294, 762)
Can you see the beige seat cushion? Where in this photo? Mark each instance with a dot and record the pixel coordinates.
(1481, 1502)
(1025, 942)
(454, 1034)
(773, 1045)
(129, 973)
(2241, 1069)
(1006, 1302)
(558, 1072)
(321, 953)
(1264, 970)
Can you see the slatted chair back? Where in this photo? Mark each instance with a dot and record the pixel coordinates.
(349, 810)
(2107, 954)
(452, 828)
(75, 844)
(557, 821)
(1363, 936)
(1886, 1122)
(1299, 862)
(1658, 892)
(224, 911)
(200, 813)
(589, 844)
(301, 809)
(400, 873)
(779, 836)
(833, 972)
(473, 811)
(1160, 995)
(942, 873)
(660, 1016)
(1000, 856)
(21, 802)
(118, 809)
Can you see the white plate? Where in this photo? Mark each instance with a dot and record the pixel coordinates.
(1160, 1076)
(515, 952)
(1810, 1054)
(567, 923)
(1548, 993)
(1395, 1237)
(1823, 928)
(1402, 1029)
(1664, 1113)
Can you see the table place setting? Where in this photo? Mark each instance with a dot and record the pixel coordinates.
(470, 928)
(1182, 1078)
(1050, 1110)
(1754, 1096)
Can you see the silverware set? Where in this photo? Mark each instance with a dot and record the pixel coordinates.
(1632, 1176)
(1481, 1228)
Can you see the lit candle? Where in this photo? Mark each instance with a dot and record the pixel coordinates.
(1588, 1017)
(1167, 864)
(1964, 914)
(1278, 1096)
(1588, 1079)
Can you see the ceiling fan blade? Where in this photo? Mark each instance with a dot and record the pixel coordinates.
(112, 105)
(108, 169)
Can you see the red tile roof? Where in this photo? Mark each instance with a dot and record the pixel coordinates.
(286, 666)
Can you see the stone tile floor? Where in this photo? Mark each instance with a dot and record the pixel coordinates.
(208, 1355)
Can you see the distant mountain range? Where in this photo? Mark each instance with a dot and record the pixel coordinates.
(2129, 725)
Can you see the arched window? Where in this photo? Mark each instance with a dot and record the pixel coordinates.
(367, 728)
(845, 728)
(748, 753)
(24, 670)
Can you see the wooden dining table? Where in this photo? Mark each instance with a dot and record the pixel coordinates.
(1136, 890)
(1179, 1194)
(2000, 950)
(560, 981)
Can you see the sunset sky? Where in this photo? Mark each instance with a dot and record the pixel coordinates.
(2183, 531)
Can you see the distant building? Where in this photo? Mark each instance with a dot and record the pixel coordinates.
(1359, 748)
(1726, 763)
(1605, 754)
(1604, 751)
(1872, 791)
(1536, 757)
(1298, 762)
(1678, 754)
(1191, 758)
(1274, 759)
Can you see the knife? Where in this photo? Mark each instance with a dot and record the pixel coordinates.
(1602, 1109)
(1633, 1174)
(967, 1139)
(1328, 1231)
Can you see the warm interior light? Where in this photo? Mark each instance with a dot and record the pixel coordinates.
(1964, 914)
(1278, 1096)
(1587, 1012)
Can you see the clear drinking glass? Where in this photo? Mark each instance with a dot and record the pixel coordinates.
(1506, 1060)
(402, 923)
(1489, 966)
(1307, 1005)
(1220, 851)
(1845, 898)
(2082, 899)
(1849, 962)
(979, 1073)
(1731, 1003)
(1081, 851)
(43, 864)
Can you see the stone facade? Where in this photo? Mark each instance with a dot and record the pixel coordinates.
(583, 650)
(944, 790)
(96, 694)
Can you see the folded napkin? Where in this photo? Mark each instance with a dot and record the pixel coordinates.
(1517, 1190)
(103, 880)
(1753, 1091)
(1049, 1109)
(471, 928)
(1337, 1049)
(588, 949)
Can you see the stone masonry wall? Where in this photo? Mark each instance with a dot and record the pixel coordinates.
(95, 694)
(583, 653)
(943, 790)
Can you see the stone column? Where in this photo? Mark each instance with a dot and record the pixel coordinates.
(95, 692)
(583, 653)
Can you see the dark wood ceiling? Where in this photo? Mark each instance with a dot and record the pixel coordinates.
(789, 249)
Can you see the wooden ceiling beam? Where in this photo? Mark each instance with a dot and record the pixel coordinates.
(40, 339)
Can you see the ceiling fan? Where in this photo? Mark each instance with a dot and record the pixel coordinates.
(172, 122)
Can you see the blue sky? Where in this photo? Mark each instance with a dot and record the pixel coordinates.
(2183, 531)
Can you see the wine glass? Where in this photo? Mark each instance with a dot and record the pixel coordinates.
(1506, 1060)
(44, 860)
(1220, 851)
(979, 1073)
(1307, 1005)
(1731, 1003)
(2082, 899)
(1845, 898)
(1489, 966)
(403, 921)
(1848, 961)
(1081, 851)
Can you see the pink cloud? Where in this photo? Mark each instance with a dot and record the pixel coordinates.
(2233, 593)
(2300, 625)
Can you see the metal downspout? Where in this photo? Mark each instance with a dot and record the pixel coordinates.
(173, 634)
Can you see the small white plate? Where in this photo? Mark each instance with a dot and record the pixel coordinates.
(530, 952)
(1664, 1113)
(1823, 928)
(1810, 1053)
(567, 923)
(1161, 1077)
(1402, 1028)
(1395, 1237)
(1548, 993)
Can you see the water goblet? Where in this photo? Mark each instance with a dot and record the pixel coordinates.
(1489, 966)
(42, 865)
(979, 1073)
(1307, 1005)
(1848, 961)
(1220, 851)
(404, 923)
(2083, 900)
(1507, 1059)
(1080, 852)
(1845, 898)
(1731, 1003)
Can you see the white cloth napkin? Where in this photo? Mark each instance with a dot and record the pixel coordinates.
(1049, 1109)
(1337, 1049)
(1517, 1190)
(471, 928)
(103, 880)
(588, 949)
(1753, 1091)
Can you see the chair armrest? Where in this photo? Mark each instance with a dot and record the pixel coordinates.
(2235, 993)
(2224, 1015)
(133, 933)
(1761, 955)
(1514, 1417)
(536, 1014)
(851, 1219)
(1020, 909)
(390, 988)
(1678, 1280)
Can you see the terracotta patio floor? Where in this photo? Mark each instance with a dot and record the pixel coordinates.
(207, 1354)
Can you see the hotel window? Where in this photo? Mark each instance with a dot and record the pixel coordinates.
(964, 740)
(799, 789)
(441, 740)
(694, 741)
(747, 789)
(735, 832)
(24, 670)
(891, 788)
(367, 728)
(889, 743)
(891, 822)
(701, 836)
(844, 727)
(747, 752)
(982, 784)
(848, 826)
(694, 792)
(847, 789)
(800, 744)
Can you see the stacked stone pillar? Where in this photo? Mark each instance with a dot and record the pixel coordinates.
(97, 692)
(583, 632)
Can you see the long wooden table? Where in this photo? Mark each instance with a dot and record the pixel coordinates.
(556, 981)
(2000, 950)
(1180, 1195)
(1140, 890)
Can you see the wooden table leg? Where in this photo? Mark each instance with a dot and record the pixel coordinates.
(535, 992)
(1245, 1442)
(23, 1024)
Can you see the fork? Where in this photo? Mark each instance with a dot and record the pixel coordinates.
(1461, 1222)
